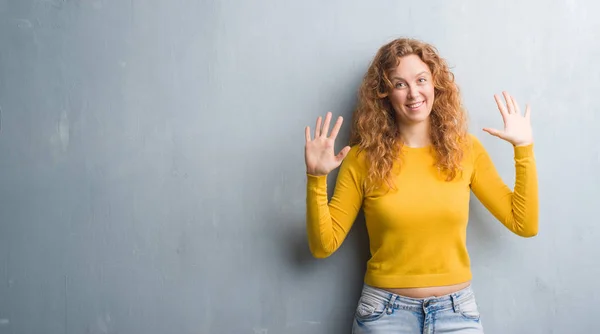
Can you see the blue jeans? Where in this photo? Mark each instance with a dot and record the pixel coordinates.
(380, 311)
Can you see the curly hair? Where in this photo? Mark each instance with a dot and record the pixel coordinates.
(374, 127)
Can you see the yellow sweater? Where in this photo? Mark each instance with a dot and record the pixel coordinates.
(418, 233)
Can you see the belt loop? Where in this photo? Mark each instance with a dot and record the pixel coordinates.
(390, 304)
(455, 305)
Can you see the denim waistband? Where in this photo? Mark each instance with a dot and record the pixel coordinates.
(452, 300)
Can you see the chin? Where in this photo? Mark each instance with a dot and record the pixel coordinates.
(417, 118)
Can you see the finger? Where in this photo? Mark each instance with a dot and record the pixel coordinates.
(336, 128)
(515, 105)
(501, 107)
(307, 133)
(343, 153)
(509, 104)
(318, 127)
(527, 112)
(493, 132)
(326, 125)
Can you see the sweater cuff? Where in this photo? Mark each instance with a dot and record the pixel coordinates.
(316, 181)
(525, 151)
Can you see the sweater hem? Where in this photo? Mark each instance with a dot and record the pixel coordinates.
(417, 281)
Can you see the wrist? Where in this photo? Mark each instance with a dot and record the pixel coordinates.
(314, 173)
(521, 144)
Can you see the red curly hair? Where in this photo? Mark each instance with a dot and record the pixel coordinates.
(374, 127)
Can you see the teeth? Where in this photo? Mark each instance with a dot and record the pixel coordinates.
(414, 105)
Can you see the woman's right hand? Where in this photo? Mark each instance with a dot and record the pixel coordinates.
(318, 153)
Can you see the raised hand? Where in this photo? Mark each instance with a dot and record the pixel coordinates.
(517, 127)
(318, 153)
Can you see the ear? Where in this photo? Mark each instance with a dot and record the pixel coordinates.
(383, 88)
(383, 95)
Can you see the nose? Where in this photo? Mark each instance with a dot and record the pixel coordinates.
(412, 92)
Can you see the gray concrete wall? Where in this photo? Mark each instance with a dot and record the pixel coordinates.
(152, 173)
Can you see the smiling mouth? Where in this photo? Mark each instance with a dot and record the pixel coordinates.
(415, 105)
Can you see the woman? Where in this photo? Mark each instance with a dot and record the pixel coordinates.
(411, 166)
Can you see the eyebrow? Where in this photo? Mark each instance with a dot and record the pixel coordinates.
(418, 74)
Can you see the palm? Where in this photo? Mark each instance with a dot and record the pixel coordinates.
(517, 127)
(319, 152)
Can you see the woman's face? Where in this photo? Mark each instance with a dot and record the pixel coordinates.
(412, 91)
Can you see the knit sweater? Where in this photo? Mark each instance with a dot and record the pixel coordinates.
(417, 234)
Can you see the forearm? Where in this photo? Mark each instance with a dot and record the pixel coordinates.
(328, 222)
(517, 208)
(525, 202)
(321, 239)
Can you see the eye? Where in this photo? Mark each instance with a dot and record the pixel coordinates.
(422, 80)
(399, 85)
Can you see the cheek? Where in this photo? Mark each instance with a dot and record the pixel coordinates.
(430, 91)
(397, 99)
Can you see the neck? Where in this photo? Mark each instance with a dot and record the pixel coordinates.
(415, 135)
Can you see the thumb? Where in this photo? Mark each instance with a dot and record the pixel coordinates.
(493, 132)
(343, 153)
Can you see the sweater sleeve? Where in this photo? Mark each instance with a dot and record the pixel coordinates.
(328, 222)
(518, 209)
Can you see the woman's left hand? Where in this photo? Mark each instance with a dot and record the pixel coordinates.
(517, 127)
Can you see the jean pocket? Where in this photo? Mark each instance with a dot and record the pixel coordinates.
(370, 308)
(469, 309)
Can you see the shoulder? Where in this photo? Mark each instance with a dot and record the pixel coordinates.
(356, 158)
(472, 139)
(474, 147)
(357, 154)
(473, 143)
